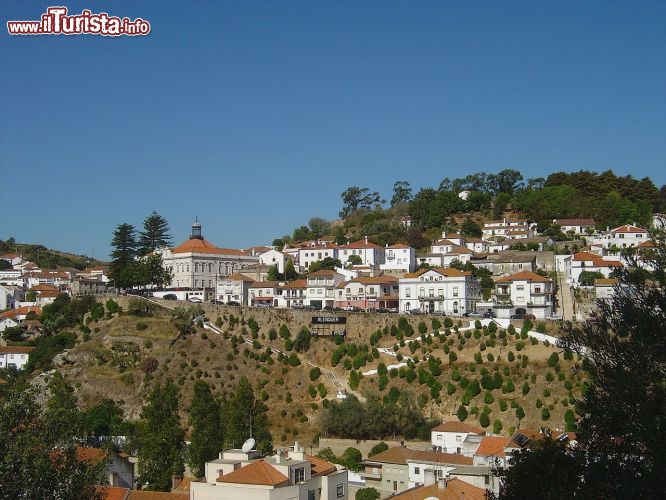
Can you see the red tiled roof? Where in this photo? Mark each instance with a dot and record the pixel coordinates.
(456, 489)
(395, 455)
(628, 228)
(155, 495)
(322, 272)
(91, 455)
(259, 473)
(196, 245)
(574, 222)
(492, 446)
(449, 272)
(361, 244)
(399, 245)
(453, 426)
(20, 311)
(43, 288)
(264, 284)
(112, 492)
(238, 277)
(320, 467)
(296, 284)
(442, 458)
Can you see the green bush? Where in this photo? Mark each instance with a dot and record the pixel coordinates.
(497, 426)
(462, 412)
(545, 414)
(315, 373)
(484, 420)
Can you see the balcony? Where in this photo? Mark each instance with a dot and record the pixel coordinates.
(431, 297)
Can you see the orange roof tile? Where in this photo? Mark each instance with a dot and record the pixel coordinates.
(399, 245)
(453, 426)
(449, 272)
(320, 467)
(323, 272)
(395, 455)
(15, 349)
(91, 455)
(196, 245)
(156, 495)
(442, 458)
(44, 288)
(456, 489)
(574, 222)
(113, 492)
(492, 446)
(296, 284)
(361, 244)
(628, 228)
(264, 284)
(605, 282)
(259, 473)
(238, 277)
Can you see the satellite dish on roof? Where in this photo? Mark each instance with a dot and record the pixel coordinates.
(248, 445)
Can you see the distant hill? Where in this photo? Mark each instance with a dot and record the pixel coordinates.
(46, 257)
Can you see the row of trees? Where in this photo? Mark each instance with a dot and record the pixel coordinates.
(132, 266)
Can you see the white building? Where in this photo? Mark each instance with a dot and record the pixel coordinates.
(320, 292)
(423, 463)
(524, 293)
(13, 259)
(234, 289)
(399, 259)
(575, 226)
(293, 293)
(371, 255)
(308, 255)
(14, 356)
(264, 292)
(586, 261)
(12, 277)
(445, 291)
(626, 236)
(238, 475)
(448, 437)
(367, 293)
(507, 228)
(272, 257)
(198, 264)
(15, 317)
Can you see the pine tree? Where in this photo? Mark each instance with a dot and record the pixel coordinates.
(290, 271)
(155, 234)
(207, 435)
(124, 250)
(160, 444)
(245, 418)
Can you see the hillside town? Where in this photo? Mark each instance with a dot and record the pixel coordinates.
(533, 277)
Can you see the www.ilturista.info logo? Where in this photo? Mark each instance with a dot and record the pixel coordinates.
(56, 21)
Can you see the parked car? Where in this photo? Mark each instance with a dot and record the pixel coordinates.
(489, 314)
(170, 296)
(195, 300)
(416, 311)
(518, 316)
(476, 314)
(297, 306)
(233, 303)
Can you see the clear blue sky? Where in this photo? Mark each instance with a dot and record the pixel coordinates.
(256, 115)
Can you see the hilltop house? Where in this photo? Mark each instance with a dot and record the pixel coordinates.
(370, 254)
(233, 288)
(399, 259)
(320, 290)
(626, 236)
(575, 226)
(448, 437)
(14, 356)
(586, 261)
(368, 293)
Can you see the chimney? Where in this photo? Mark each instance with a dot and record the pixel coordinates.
(366, 239)
(429, 477)
(278, 456)
(175, 481)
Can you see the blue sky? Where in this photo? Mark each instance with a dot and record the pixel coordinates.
(256, 115)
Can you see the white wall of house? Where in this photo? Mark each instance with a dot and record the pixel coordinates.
(306, 256)
(434, 292)
(398, 259)
(273, 258)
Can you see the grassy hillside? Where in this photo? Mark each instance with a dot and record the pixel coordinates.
(48, 258)
(122, 356)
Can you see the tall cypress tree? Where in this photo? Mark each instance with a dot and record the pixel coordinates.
(124, 250)
(155, 234)
(160, 443)
(207, 436)
(246, 417)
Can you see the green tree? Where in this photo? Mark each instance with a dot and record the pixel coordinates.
(155, 234)
(328, 263)
(35, 461)
(470, 228)
(102, 419)
(61, 413)
(302, 342)
(247, 417)
(377, 449)
(402, 193)
(367, 494)
(207, 435)
(160, 438)
(124, 249)
(587, 278)
(290, 271)
(274, 274)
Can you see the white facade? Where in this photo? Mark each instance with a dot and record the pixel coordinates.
(273, 258)
(12, 277)
(399, 259)
(12, 356)
(293, 293)
(525, 292)
(245, 476)
(233, 289)
(197, 263)
(450, 436)
(575, 226)
(586, 261)
(371, 255)
(626, 236)
(507, 228)
(308, 255)
(264, 292)
(445, 291)
(321, 288)
(10, 295)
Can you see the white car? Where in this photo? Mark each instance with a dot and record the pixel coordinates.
(195, 300)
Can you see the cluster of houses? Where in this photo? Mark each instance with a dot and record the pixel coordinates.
(25, 288)
(396, 278)
(459, 452)
(457, 463)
